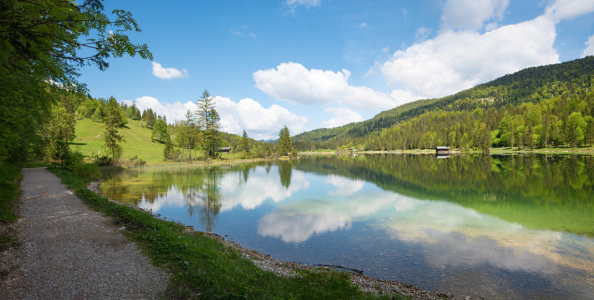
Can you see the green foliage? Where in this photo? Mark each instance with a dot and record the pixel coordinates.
(111, 135)
(202, 265)
(168, 150)
(159, 132)
(245, 143)
(208, 121)
(284, 142)
(187, 134)
(59, 131)
(98, 115)
(10, 175)
(40, 42)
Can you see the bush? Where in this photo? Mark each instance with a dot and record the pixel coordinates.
(103, 160)
(90, 171)
(140, 162)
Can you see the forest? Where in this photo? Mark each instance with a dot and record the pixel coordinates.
(548, 106)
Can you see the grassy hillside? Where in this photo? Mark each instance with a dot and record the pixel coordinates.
(138, 140)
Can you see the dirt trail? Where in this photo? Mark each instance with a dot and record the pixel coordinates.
(68, 251)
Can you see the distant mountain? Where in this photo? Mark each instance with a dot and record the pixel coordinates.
(268, 141)
(562, 81)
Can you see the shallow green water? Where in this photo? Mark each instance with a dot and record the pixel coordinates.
(500, 227)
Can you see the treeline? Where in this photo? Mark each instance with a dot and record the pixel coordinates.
(536, 107)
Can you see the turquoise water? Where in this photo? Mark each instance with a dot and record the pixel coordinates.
(499, 227)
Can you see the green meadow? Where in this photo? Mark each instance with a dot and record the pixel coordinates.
(89, 141)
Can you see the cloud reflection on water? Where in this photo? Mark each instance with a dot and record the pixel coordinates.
(234, 190)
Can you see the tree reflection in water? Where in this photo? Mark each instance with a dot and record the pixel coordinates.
(285, 169)
(210, 197)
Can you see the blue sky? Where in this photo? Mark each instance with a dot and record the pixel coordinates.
(309, 64)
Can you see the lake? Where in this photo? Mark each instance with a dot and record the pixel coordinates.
(500, 227)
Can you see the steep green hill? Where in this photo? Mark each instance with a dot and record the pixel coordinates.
(565, 86)
(89, 140)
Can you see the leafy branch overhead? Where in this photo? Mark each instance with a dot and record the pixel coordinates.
(43, 44)
(47, 34)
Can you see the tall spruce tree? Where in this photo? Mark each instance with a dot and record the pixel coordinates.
(245, 143)
(208, 121)
(284, 141)
(111, 135)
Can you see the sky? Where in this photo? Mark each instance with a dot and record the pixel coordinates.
(310, 64)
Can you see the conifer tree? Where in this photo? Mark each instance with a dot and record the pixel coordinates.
(168, 150)
(208, 121)
(245, 143)
(111, 135)
(284, 141)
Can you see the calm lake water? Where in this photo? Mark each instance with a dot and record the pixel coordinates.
(501, 227)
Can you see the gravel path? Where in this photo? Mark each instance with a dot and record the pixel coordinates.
(68, 251)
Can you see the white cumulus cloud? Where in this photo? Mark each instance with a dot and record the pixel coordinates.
(293, 4)
(306, 3)
(168, 73)
(568, 9)
(343, 116)
(460, 57)
(259, 122)
(472, 14)
(293, 83)
(457, 60)
(590, 49)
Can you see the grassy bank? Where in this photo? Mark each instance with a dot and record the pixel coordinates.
(204, 267)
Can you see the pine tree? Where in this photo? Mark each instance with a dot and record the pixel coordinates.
(168, 150)
(159, 130)
(110, 135)
(284, 142)
(245, 143)
(209, 122)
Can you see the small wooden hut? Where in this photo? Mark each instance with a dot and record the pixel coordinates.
(225, 149)
(442, 150)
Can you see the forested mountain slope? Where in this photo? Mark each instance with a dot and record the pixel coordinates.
(549, 94)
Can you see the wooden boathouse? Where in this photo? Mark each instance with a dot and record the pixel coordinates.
(442, 150)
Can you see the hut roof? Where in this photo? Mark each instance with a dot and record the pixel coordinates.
(442, 148)
(225, 148)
